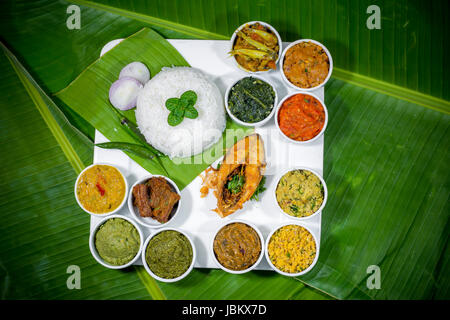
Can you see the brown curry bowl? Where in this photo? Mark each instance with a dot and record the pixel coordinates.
(261, 254)
(149, 222)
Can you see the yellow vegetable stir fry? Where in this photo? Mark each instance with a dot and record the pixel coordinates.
(256, 48)
(292, 249)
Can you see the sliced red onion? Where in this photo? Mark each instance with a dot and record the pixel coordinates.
(136, 70)
(123, 93)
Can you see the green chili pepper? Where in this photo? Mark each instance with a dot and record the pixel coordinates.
(137, 135)
(134, 132)
(256, 44)
(129, 147)
(268, 37)
(255, 54)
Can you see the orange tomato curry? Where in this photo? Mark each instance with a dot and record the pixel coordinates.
(101, 189)
(301, 117)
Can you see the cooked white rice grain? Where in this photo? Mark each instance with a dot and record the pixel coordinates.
(191, 136)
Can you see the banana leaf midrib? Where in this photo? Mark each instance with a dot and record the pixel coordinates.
(191, 31)
(393, 90)
(383, 87)
(32, 89)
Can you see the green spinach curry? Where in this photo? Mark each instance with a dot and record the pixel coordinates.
(251, 100)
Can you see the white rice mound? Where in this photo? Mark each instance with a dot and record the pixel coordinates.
(191, 136)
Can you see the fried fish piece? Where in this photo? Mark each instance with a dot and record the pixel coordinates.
(246, 158)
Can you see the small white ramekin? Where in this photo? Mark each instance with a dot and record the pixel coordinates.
(148, 221)
(147, 268)
(107, 213)
(325, 192)
(277, 111)
(261, 254)
(94, 249)
(286, 273)
(249, 124)
(233, 39)
(330, 71)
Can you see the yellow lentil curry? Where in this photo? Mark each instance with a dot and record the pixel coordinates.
(292, 249)
(101, 189)
(300, 193)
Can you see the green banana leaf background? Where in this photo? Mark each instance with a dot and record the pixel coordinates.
(386, 147)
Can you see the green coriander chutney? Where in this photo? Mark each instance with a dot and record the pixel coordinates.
(117, 241)
(169, 254)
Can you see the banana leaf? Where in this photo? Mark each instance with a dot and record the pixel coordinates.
(385, 159)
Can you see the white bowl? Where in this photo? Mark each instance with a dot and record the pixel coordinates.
(286, 273)
(249, 124)
(107, 213)
(233, 38)
(147, 268)
(325, 193)
(261, 239)
(148, 221)
(308, 94)
(330, 71)
(94, 249)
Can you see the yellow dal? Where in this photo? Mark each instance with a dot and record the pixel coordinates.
(96, 178)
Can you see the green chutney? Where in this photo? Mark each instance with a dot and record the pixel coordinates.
(117, 241)
(169, 254)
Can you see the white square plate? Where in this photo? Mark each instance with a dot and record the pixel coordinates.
(195, 216)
